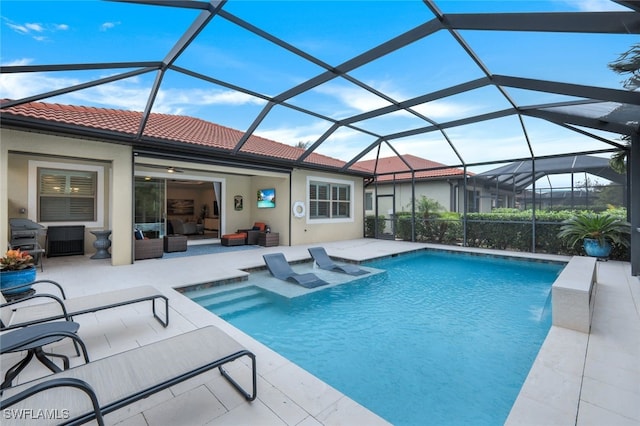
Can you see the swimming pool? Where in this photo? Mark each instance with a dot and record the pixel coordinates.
(440, 338)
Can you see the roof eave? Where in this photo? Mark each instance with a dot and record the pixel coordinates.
(164, 147)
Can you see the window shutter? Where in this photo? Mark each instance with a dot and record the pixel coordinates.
(66, 195)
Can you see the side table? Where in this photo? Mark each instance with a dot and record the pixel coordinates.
(175, 242)
(102, 244)
(32, 339)
(270, 239)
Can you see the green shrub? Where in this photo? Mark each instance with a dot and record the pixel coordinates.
(443, 227)
(503, 229)
(370, 225)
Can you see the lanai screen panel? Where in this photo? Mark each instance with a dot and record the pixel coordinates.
(332, 60)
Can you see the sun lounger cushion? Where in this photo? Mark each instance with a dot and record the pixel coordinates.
(237, 239)
(124, 378)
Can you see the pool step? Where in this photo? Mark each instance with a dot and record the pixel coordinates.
(223, 296)
(233, 302)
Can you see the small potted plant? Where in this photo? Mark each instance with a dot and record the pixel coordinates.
(16, 269)
(597, 232)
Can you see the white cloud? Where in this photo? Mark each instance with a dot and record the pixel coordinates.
(594, 5)
(130, 94)
(351, 100)
(292, 134)
(37, 31)
(228, 97)
(108, 25)
(17, 86)
(440, 110)
(18, 28)
(34, 27)
(354, 98)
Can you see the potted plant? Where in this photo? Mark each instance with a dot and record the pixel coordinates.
(597, 232)
(16, 269)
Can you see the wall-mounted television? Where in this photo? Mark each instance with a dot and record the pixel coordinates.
(266, 198)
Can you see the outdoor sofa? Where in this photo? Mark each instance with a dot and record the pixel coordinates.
(90, 391)
(17, 313)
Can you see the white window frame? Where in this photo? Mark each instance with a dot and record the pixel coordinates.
(349, 183)
(33, 191)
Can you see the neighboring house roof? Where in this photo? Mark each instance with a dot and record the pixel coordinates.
(425, 169)
(172, 128)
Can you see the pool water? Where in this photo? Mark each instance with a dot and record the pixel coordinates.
(439, 338)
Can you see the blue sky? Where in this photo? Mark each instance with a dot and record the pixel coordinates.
(56, 32)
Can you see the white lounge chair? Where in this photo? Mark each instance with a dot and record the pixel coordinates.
(17, 313)
(90, 391)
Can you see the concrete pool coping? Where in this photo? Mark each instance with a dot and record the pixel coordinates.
(602, 365)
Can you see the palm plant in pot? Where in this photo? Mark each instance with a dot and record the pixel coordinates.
(597, 232)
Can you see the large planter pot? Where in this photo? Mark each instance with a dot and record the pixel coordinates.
(14, 278)
(594, 248)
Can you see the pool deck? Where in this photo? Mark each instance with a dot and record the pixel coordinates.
(577, 379)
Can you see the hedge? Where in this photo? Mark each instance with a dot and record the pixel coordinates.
(503, 229)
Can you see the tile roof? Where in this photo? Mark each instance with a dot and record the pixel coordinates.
(396, 165)
(174, 128)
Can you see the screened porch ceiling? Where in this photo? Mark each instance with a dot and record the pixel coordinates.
(464, 83)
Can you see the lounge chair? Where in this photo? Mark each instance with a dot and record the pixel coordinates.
(117, 381)
(280, 268)
(323, 261)
(17, 314)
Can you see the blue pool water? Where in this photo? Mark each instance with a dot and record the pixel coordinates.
(440, 338)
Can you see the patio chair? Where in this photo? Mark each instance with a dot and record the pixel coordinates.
(17, 314)
(117, 381)
(323, 261)
(280, 268)
(32, 340)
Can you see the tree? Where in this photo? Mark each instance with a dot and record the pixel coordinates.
(303, 145)
(618, 159)
(627, 63)
(426, 207)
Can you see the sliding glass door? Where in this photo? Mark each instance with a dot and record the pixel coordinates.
(150, 206)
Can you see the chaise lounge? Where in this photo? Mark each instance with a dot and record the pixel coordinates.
(92, 390)
(14, 314)
(323, 261)
(280, 268)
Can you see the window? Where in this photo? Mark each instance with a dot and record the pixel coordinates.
(368, 201)
(329, 200)
(473, 201)
(66, 195)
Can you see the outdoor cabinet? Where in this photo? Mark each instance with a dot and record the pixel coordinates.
(65, 240)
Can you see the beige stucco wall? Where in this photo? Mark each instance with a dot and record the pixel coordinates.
(18, 149)
(439, 190)
(234, 182)
(435, 190)
(291, 230)
(276, 218)
(307, 231)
